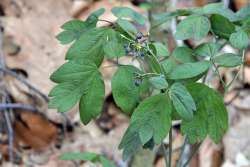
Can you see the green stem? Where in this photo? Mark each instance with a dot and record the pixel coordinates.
(107, 21)
(230, 83)
(218, 74)
(241, 67)
(155, 58)
(223, 44)
(165, 153)
(182, 151)
(146, 75)
(195, 150)
(170, 148)
(205, 78)
(123, 36)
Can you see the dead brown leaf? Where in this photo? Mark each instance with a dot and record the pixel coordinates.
(34, 130)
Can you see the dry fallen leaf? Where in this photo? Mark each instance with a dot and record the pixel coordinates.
(34, 130)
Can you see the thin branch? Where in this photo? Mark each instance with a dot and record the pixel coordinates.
(232, 81)
(179, 162)
(147, 75)
(165, 153)
(30, 86)
(170, 150)
(243, 79)
(4, 70)
(241, 67)
(10, 135)
(195, 150)
(170, 147)
(23, 80)
(107, 21)
(173, 150)
(5, 114)
(233, 98)
(204, 79)
(5, 106)
(2, 61)
(218, 74)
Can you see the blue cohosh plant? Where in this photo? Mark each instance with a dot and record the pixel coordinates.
(166, 87)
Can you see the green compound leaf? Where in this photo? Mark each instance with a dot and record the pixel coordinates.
(131, 141)
(89, 46)
(128, 27)
(70, 87)
(158, 82)
(91, 102)
(152, 115)
(182, 101)
(65, 95)
(218, 8)
(114, 46)
(125, 92)
(74, 28)
(228, 60)
(93, 17)
(153, 63)
(74, 25)
(239, 39)
(66, 37)
(168, 65)
(74, 71)
(114, 49)
(92, 157)
(221, 26)
(154, 111)
(76, 80)
(210, 118)
(125, 12)
(244, 12)
(161, 18)
(193, 26)
(183, 54)
(189, 70)
(246, 24)
(161, 49)
(207, 49)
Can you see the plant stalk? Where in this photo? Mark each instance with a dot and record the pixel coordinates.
(170, 148)
(179, 162)
(195, 150)
(165, 153)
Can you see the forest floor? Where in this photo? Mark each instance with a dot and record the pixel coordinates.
(30, 53)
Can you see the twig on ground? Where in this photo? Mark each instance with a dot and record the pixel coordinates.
(4, 99)
(23, 80)
(10, 135)
(33, 88)
(6, 106)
